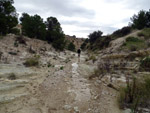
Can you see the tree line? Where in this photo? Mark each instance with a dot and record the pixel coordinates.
(32, 26)
(97, 41)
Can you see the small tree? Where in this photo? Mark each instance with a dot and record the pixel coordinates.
(71, 47)
(33, 26)
(8, 16)
(94, 36)
(141, 20)
(59, 44)
(55, 34)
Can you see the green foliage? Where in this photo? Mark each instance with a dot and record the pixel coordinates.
(135, 94)
(145, 33)
(54, 30)
(84, 44)
(133, 39)
(49, 64)
(101, 43)
(133, 44)
(55, 34)
(8, 16)
(33, 26)
(12, 76)
(145, 64)
(16, 44)
(94, 36)
(141, 20)
(34, 61)
(15, 31)
(121, 32)
(71, 47)
(59, 44)
(61, 68)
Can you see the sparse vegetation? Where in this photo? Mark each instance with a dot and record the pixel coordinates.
(102, 69)
(93, 58)
(145, 33)
(135, 95)
(15, 31)
(16, 44)
(61, 68)
(121, 32)
(12, 76)
(20, 39)
(133, 44)
(49, 64)
(95, 74)
(34, 61)
(145, 64)
(71, 47)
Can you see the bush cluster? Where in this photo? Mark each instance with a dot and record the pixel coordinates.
(135, 95)
(34, 61)
(121, 32)
(145, 64)
(134, 44)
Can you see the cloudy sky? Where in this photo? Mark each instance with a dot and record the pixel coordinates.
(81, 17)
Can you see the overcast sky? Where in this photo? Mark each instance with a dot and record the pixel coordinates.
(81, 17)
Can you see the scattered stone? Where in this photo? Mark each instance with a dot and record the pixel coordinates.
(67, 107)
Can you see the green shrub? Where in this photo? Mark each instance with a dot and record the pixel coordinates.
(121, 32)
(134, 44)
(49, 64)
(34, 61)
(61, 68)
(15, 44)
(133, 39)
(93, 58)
(145, 33)
(59, 44)
(12, 76)
(136, 94)
(71, 47)
(145, 64)
(15, 31)
(133, 48)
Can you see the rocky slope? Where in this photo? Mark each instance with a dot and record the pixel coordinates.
(60, 84)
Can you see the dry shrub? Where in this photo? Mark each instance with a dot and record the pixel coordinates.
(34, 61)
(135, 95)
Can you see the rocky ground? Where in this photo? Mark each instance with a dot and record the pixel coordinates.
(60, 84)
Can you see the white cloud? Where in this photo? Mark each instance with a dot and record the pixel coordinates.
(81, 17)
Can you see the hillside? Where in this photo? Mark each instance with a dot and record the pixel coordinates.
(59, 83)
(76, 41)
